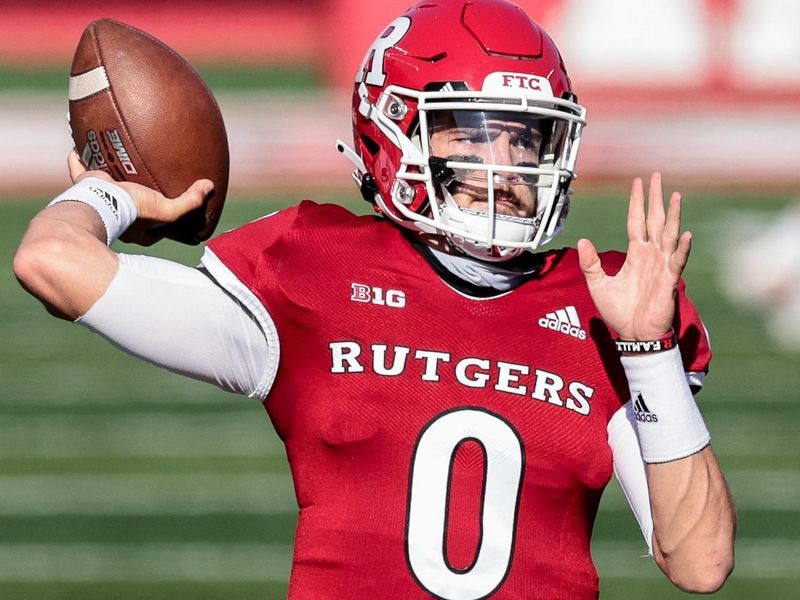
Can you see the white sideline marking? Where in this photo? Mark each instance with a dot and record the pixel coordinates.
(127, 495)
(89, 83)
(271, 493)
(115, 562)
(138, 435)
(755, 558)
(752, 489)
(145, 562)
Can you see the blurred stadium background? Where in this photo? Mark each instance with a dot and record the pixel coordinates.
(120, 481)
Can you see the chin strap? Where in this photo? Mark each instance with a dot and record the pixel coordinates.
(441, 174)
(369, 189)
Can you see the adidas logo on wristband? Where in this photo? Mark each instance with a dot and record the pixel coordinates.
(109, 199)
(114, 206)
(643, 413)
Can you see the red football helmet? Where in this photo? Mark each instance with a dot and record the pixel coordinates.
(472, 66)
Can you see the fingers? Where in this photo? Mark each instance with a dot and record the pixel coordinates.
(680, 257)
(590, 262)
(672, 226)
(636, 222)
(196, 194)
(656, 226)
(655, 209)
(77, 170)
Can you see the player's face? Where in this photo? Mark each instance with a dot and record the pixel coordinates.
(487, 138)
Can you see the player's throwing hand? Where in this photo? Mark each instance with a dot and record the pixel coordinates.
(152, 207)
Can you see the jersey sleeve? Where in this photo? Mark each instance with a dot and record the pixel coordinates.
(693, 340)
(236, 261)
(242, 250)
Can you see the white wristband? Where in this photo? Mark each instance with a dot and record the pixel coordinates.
(115, 206)
(668, 422)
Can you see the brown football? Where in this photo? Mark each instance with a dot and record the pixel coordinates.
(140, 112)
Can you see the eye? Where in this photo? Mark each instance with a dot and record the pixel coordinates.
(528, 141)
(470, 136)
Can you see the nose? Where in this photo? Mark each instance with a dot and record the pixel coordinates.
(501, 149)
(503, 154)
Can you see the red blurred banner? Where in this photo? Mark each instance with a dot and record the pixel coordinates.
(707, 45)
(706, 89)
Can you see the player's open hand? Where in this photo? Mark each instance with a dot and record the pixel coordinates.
(153, 208)
(639, 301)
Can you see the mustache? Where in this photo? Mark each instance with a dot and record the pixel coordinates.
(445, 175)
(480, 192)
(477, 175)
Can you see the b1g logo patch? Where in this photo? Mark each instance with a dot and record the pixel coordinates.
(379, 296)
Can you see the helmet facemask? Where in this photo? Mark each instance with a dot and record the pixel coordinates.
(486, 176)
(495, 171)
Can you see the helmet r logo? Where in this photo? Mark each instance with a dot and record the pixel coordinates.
(371, 70)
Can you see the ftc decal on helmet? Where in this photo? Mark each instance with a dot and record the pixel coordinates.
(486, 112)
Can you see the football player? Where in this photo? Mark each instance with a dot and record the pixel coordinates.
(452, 403)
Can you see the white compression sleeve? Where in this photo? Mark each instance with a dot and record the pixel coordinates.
(629, 468)
(178, 318)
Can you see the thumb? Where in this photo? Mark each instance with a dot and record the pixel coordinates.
(76, 168)
(197, 192)
(189, 200)
(78, 171)
(590, 261)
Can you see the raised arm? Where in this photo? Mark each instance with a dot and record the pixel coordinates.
(163, 312)
(64, 259)
(692, 511)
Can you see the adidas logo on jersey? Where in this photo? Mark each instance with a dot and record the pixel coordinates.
(643, 413)
(565, 321)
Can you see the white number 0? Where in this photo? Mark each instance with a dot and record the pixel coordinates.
(427, 510)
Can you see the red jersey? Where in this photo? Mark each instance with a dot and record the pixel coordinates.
(440, 445)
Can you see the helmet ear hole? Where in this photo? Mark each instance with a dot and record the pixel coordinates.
(371, 145)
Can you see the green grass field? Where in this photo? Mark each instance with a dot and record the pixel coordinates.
(118, 480)
(231, 78)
